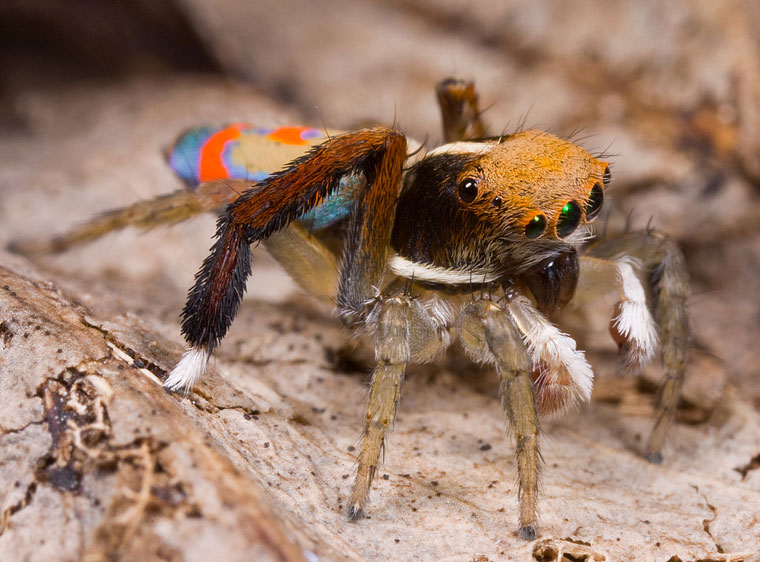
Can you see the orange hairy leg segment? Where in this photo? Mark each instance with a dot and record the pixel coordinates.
(458, 101)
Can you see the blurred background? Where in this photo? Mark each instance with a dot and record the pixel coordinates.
(91, 92)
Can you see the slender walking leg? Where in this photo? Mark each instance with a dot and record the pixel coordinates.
(404, 330)
(489, 333)
(663, 267)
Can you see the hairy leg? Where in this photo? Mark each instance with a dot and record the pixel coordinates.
(664, 269)
(272, 205)
(404, 330)
(489, 334)
(166, 209)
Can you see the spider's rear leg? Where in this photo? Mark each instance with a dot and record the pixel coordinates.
(404, 330)
(458, 102)
(489, 334)
(165, 209)
(662, 265)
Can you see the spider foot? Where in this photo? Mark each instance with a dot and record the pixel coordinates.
(654, 457)
(354, 513)
(527, 532)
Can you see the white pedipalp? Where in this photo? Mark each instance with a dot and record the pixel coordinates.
(549, 345)
(441, 310)
(189, 369)
(634, 321)
(563, 369)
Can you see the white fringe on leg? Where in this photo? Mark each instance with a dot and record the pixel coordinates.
(188, 370)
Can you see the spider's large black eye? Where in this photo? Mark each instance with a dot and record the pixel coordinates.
(468, 190)
(595, 200)
(536, 226)
(569, 218)
(607, 176)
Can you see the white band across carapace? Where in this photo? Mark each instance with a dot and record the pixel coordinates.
(433, 274)
(462, 147)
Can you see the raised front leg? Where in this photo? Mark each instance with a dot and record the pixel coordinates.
(214, 299)
(458, 101)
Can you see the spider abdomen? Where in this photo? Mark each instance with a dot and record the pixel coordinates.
(242, 151)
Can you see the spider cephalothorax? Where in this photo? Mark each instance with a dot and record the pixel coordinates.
(482, 239)
(476, 208)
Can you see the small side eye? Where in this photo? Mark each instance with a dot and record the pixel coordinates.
(569, 218)
(607, 176)
(468, 190)
(496, 201)
(595, 200)
(536, 226)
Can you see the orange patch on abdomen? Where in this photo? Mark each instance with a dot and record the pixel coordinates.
(288, 135)
(211, 165)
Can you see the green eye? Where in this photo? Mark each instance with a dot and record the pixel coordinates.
(536, 226)
(595, 200)
(569, 218)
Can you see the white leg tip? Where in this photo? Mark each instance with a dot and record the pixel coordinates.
(188, 370)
